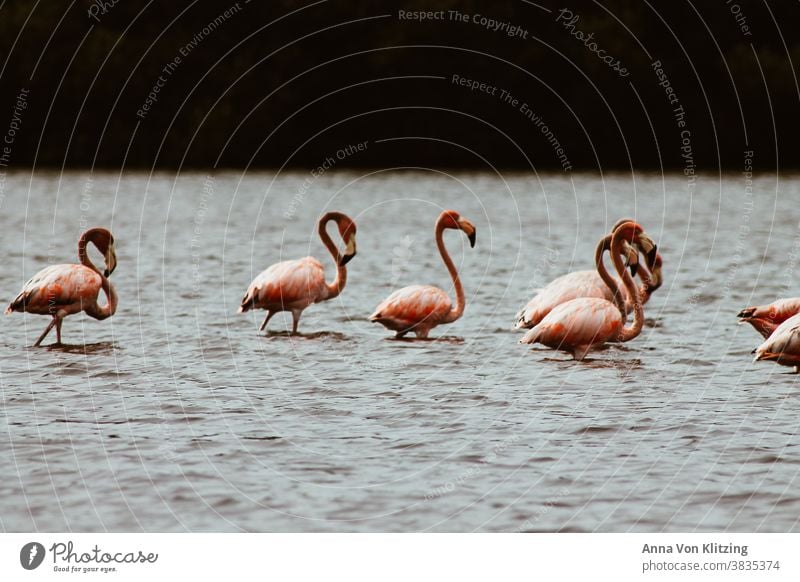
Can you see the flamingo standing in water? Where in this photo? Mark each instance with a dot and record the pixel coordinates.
(61, 290)
(766, 318)
(583, 323)
(590, 284)
(783, 345)
(420, 308)
(294, 285)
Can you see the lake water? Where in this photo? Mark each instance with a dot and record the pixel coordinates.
(177, 414)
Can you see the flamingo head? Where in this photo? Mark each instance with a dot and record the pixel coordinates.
(632, 233)
(647, 247)
(347, 229)
(452, 219)
(104, 241)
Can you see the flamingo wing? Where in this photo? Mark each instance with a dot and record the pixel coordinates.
(565, 288)
(413, 306)
(67, 287)
(766, 318)
(287, 285)
(577, 325)
(783, 346)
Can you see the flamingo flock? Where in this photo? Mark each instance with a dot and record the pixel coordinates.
(575, 313)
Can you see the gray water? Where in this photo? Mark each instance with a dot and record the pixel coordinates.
(177, 414)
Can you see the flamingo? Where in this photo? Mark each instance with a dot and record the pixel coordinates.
(766, 318)
(61, 290)
(783, 345)
(420, 308)
(294, 285)
(583, 323)
(590, 284)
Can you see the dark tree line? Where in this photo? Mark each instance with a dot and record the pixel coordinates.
(271, 83)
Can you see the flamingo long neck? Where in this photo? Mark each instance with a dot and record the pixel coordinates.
(627, 332)
(110, 308)
(644, 290)
(458, 310)
(619, 299)
(83, 256)
(341, 271)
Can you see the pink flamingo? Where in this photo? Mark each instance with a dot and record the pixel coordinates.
(61, 290)
(590, 284)
(294, 285)
(420, 308)
(583, 323)
(783, 345)
(766, 318)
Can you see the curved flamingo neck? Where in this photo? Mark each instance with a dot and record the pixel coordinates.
(644, 290)
(83, 256)
(336, 287)
(627, 333)
(110, 308)
(458, 310)
(610, 281)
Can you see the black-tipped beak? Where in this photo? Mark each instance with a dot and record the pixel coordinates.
(651, 256)
(106, 273)
(634, 269)
(346, 259)
(471, 238)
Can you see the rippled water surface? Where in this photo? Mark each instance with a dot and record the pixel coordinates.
(177, 414)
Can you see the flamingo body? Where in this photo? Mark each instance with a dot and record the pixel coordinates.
(416, 308)
(783, 345)
(67, 287)
(287, 286)
(565, 288)
(766, 318)
(577, 325)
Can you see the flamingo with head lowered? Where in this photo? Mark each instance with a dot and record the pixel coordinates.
(783, 345)
(294, 285)
(766, 318)
(61, 290)
(590, 284)
(586, 322)
(420, 308)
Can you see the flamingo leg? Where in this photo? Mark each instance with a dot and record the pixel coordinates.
(266, 320)
(579, 352)
(46, 331)
(59, 321)
(295, 320)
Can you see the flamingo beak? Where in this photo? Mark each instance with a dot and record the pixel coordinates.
(651, 256)
(469, 230)
(655, 279)
(349, 252)
(111, 260)
(631, 258)
(649, 248)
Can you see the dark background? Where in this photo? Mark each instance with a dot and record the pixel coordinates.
(264, 92)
